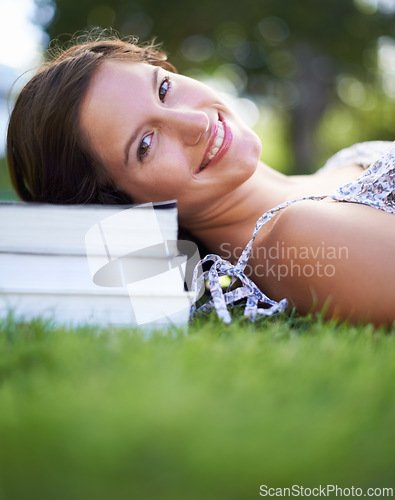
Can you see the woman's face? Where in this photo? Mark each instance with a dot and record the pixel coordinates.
(165, 136)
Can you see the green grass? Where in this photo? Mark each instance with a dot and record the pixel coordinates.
(105, 414)
(7, 192)
(100, 414)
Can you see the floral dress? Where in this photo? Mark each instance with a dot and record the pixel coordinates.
(375, 187)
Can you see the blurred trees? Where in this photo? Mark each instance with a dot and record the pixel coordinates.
(308, 59)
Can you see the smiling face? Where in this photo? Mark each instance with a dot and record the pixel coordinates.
(165, 136)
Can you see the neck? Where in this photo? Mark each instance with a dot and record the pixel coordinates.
(233, 216)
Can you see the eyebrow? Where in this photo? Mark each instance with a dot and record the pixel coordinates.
(136, 133)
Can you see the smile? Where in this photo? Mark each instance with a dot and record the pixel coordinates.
(218, 141)
(218, 145)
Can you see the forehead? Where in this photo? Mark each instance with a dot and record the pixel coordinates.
(115, 94)
(114, 76)
(116, 88)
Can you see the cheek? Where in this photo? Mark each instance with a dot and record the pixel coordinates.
(157, 187)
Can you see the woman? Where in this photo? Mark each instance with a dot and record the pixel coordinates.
(111, 122)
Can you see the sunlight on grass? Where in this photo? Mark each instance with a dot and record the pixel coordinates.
(92, 413)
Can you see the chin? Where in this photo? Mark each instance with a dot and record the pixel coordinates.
(242, 171)
(256, 144)
(253, 149)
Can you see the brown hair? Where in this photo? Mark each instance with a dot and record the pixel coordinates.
(49, 158)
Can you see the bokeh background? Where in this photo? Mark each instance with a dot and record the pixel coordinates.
(309, 76)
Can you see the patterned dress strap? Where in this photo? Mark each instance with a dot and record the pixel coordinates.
(362, 153)
(376, 188)
(248, 290)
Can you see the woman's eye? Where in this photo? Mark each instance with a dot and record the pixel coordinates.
(144, 147)
(163, 89)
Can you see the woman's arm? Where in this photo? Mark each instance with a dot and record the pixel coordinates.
(330, 254)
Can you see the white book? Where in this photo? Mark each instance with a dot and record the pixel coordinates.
(104, 308)
(43, 272)
(61, 229)
(93, 263)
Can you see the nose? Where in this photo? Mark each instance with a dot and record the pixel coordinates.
(188, 124)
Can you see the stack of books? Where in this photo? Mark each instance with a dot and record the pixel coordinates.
(94, 264)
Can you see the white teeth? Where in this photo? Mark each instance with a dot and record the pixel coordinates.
(217, 143)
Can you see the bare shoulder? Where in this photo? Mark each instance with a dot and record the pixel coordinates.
(352, 216)
(336, 222)
(337, 253)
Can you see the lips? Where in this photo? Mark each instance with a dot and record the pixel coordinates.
(218, 144)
